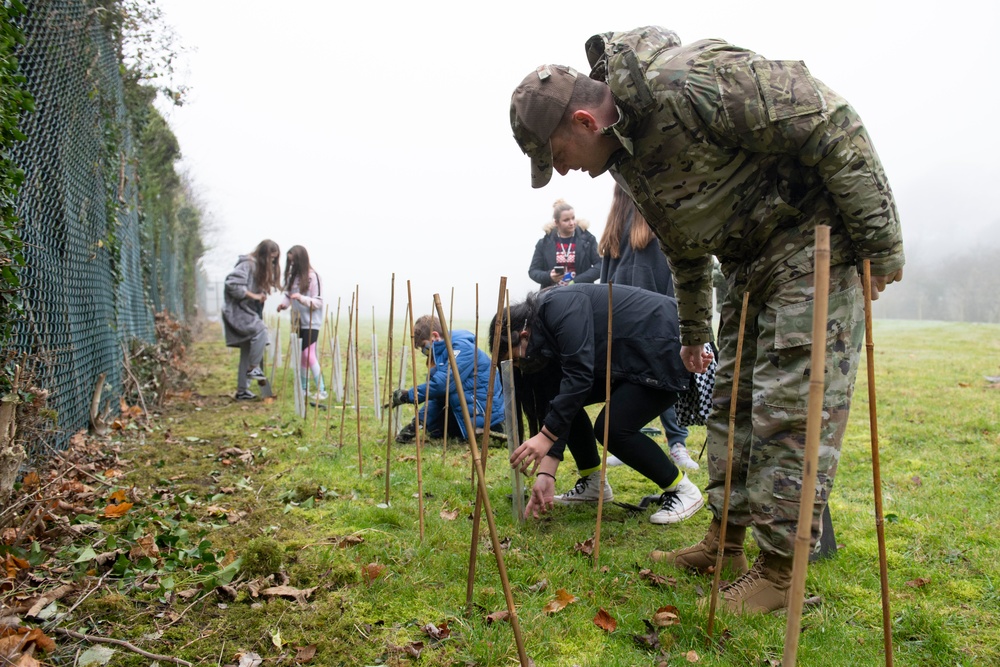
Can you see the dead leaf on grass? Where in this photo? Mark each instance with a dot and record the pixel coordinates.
(539, 586)
(586, 547)
(304, 654)
(30, 482)
(249, 659)
(371, 572)
(916, 480)
(666, 616)
(145, 547)
(919, 582)
(347, 541)
(13, 565)
(657, 579)
(439, 631)
(692, 656)
(449, 515)
(502, 615)
(118, 496)
(298, 594)
(604, 621)
(562, 599)
(117, 511)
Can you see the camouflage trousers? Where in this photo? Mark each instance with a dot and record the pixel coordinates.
(770, 426)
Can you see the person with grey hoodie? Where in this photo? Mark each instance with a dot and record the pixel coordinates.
(246, 288)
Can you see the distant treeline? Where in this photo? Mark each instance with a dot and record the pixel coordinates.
(964, 287)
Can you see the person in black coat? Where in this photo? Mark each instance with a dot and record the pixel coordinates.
(559, 345)
(567, 253)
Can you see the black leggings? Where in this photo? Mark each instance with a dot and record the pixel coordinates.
(632, 407)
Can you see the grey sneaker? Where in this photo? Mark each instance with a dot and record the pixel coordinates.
(586, 491)
(679, 504)
(256, 373)
(679, 453)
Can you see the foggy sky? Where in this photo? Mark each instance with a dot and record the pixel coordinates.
(377, 135)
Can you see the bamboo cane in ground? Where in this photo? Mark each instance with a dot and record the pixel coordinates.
(388, 376)
(476, 514)
(607, 428)
(483, 493)
(343, 409)
(447, 382)
(357, 374)
(876, 470)
(734, 393)
(319, 364)
(814, 423)
(292, 322)
(335, 358)
(475, 393)
(416, 413)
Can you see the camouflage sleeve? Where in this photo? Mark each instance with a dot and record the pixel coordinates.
(693, 289)
(771, 106)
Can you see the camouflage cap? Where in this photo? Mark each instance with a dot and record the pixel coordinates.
(536, 109)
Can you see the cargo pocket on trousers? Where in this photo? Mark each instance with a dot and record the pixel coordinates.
(787, 487)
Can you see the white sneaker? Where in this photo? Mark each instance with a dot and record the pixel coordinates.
(256, 373)
(679, 504)
(586, 491)
(319, 396)
(679, 453)
(614, 461)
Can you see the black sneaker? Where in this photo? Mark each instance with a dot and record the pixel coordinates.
(408, 433)
(245, 395)
(256, 373)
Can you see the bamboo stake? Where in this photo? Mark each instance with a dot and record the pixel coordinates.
(402, 364)
(343, 409)
(814, 423)
(430, 360)
(477, 512)
(319, 364)
(308, 371)
(416, 413)
(292, 322)
(335, 357)
(497, 550)
(475, 394)
(729, 463)
(447, 383)
(876, 468)
(388, 380)
(376, 399)
(607, 428)
(518, 483)
(357, 373)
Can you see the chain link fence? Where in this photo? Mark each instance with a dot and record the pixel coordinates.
(84, 291)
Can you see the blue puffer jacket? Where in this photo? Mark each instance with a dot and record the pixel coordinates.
(471, 362)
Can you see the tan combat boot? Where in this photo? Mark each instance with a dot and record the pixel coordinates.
(701, 557)
(761, 590)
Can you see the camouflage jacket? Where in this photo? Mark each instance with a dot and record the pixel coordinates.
(727, 153)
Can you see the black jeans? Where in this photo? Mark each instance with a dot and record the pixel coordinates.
(632, 407)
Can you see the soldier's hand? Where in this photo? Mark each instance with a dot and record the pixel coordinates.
(879, 282)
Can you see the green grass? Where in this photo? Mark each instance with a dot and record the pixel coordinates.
(940, 456)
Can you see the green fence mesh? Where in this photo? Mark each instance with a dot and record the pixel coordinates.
(84, 292)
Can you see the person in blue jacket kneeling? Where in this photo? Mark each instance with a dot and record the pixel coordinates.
(474, 372)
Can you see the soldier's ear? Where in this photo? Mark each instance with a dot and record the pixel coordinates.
(585, 119)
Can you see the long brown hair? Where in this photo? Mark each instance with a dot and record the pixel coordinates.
(297, 268)
(267, 273)
(622, 207)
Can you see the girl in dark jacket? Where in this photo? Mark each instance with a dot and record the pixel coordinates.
(567, 253)
(560, 341)
(631, 256)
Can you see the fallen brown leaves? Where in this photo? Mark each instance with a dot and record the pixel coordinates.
(561, 601)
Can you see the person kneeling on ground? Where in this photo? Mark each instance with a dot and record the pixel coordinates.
(560, 342)
(474, 370)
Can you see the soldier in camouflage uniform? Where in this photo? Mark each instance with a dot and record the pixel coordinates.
(727, 153)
